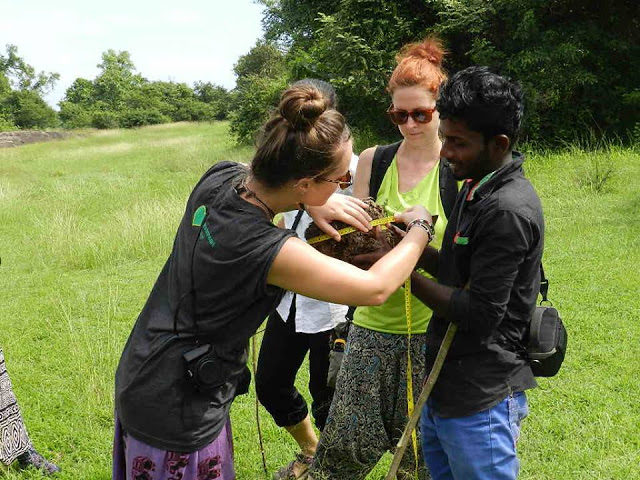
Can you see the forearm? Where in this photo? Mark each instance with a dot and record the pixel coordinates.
(435, 296)
(429, 260)
(396, 266)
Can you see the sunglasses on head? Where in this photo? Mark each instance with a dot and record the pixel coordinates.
(343, 182)
(419, 115)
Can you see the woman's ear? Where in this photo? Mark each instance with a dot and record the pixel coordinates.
(301, 187)
(303, 184)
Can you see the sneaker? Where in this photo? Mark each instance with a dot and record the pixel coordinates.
(301, 464)
(31, 458)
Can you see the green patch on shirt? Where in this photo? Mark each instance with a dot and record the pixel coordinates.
(199, 216)
(462, 240)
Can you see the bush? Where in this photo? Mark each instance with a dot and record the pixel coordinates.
(140, 117)
(28, 110)
(73, 115)
(104, 119)
(6, 124)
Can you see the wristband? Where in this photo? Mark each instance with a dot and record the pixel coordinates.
(424, 224)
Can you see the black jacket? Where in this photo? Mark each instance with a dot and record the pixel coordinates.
(493, 243)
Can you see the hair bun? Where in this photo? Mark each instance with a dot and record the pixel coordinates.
(302, 105)
(430, 49)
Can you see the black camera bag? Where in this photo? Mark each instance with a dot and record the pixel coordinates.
(547, 343)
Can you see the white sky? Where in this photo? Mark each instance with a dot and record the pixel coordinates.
(181, 41)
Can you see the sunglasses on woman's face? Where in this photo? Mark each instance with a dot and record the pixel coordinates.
(343, 182)
(419, 115)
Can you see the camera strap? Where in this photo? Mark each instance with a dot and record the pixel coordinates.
(292, 308)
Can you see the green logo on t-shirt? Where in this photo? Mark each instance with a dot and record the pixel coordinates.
(199, 216)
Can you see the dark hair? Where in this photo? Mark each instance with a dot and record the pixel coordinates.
(485, 101)
(301, 139)
(419, 64)
(325, 88)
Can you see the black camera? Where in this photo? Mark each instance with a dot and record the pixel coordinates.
(219, 377)
(202, 368)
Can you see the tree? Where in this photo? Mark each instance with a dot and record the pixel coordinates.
(262, 75)
(578, 60)
(23, 76)
(264, 58)
(116, 79)
(214, 95)
(21, 90)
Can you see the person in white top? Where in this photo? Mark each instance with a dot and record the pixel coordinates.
(299, 325)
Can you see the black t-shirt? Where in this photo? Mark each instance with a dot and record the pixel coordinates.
(217, 270)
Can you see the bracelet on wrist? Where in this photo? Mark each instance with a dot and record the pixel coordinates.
(428, 227)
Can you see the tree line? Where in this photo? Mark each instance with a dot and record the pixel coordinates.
(117, 98)
(577, 60)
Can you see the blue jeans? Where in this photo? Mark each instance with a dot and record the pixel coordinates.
(481, 446)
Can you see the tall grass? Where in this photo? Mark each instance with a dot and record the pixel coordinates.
(86, 224)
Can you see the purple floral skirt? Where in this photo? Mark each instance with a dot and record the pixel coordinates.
(135, 460)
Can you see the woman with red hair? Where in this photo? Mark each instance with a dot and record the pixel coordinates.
(370, 407)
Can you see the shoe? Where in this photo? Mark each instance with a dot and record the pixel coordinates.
(302, 462)
(31, 458)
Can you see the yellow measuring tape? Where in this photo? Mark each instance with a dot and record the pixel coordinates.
(407, 308)
(347, 230)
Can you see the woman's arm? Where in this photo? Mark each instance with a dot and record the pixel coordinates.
(300, 268)
(363, 173)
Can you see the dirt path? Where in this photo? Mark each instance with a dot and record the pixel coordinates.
(21, 137)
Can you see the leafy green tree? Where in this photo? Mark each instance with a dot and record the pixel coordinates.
(253, 103)
(81, 92)
(23, 76)
(262, 75)
(216, 96)
(351, 44)
(264, 58)
(21, 90)
(116, 79)
(578, 60)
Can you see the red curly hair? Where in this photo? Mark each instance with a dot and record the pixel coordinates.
(419, 64)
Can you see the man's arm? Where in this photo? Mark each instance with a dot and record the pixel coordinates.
(429, 260)
(499, 245)
(435, 296)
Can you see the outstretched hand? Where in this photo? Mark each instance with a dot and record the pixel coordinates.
(349, 210)
(365, 260)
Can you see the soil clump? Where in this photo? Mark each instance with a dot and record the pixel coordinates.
(355, 243)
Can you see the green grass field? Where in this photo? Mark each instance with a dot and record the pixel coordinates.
(86, 224)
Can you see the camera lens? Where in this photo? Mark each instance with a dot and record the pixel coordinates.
(208, 372)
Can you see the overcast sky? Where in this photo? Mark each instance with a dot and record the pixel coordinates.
(182, 41)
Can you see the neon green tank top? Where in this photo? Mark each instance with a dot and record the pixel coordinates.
(390, 316)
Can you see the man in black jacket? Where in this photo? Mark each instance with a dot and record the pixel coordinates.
(488, 281)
